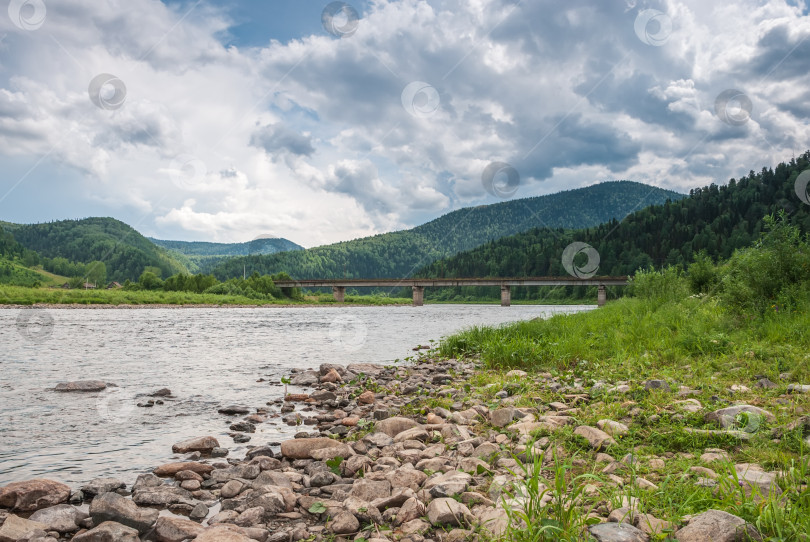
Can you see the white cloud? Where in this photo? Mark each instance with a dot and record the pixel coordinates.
(309, 139)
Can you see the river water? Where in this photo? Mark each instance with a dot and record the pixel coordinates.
(208, 357)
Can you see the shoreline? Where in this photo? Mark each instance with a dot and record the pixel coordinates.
(50, 306)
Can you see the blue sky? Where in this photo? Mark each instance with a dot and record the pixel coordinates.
(223, 121)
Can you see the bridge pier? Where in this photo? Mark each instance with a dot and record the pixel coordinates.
(418, 296)
(340, 293)
(506, 296)
(601, 296)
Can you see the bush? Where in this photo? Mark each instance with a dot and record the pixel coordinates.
(702, 275)
(663, 286)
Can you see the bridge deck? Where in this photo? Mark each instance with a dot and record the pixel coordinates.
(520, 281)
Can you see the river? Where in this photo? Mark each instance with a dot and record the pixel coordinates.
(208, 357)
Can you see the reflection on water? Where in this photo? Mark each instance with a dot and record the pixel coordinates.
(207, 357)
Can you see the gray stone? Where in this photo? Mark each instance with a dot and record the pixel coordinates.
(380, 440)
(727, 417)
(617, 532)
(301, 448)
(344, 523)
(307, 378)
(233, 410)
(660, 385)
(33, 495)
(198, 444)
(502, 417)
(98, 486)
(62, 518)
(612, 428)
(798, 388)
(717, 526)
(115, 508)
(449, 484)
(171, 529)
(15, 527)
(598, 439)
(446, 511)
(396, 425)
(81, 386)
(109, 531)
(370, 490)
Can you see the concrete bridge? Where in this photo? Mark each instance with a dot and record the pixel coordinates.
(418, 285)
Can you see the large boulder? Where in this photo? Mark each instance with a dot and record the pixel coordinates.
(450, 512)
(598, 439)
(33, 495)
(109, 531)
(618, 532)
(62, 518)
(15, 527)
(302, 448)
(171, 529)
(81, 386)
(728, 417)
(97, 486)
(396, 425)
(198, 444)
(717, 526)
(115, 508)
(170, 469)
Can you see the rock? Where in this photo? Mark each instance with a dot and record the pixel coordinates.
(688, 405)
(652, 525)
(727, 417)
(742, 435)
(109, 531)
(617, 532)
(614, 429)
(798, 388)
(323, 395)
(370, 369)
(307, 378)
(199, 512)
(396, 425)
(171, 529)
(223, 533)
(162, 496)
(344, 523)
(331, 376)
(597, 438)
(233, 410)
(370, 490)
(15, 527)
(301, 448)
(449, 484)
(97, 486)
(494, 522)
(415, 527)
(502, 417)
(33, 495)
(660, 385)
(115, 508)
(81, 386)
(766, 383)
(170, 469)
(366, 398)
(717, 526)
(323, 454)
(62, 518)
(415, 433)
(447, 511)
(755, 480)
(198, 444)
(162, 392)
(231, 489)
(380, 440)
(516, 373)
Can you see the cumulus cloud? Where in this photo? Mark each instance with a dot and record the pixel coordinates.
(568, 93)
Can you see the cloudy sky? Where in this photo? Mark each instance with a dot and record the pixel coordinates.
(229, 119)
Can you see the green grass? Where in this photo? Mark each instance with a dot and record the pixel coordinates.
(17, 295)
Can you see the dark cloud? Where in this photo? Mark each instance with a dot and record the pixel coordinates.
(276, 138)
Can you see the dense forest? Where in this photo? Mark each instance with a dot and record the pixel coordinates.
(399, 254)
(14, 259)
(65, 245)
(715, 220)
(202, 256)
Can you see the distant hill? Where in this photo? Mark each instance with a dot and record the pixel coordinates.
(124, 251)
(714, 219)
(203, 255)
(399, 254)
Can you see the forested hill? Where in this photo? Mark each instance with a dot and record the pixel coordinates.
(715, 219)
(398, 254)
(202, 255)
(123, 250)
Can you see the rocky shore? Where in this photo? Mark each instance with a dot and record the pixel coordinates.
(416, 454)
